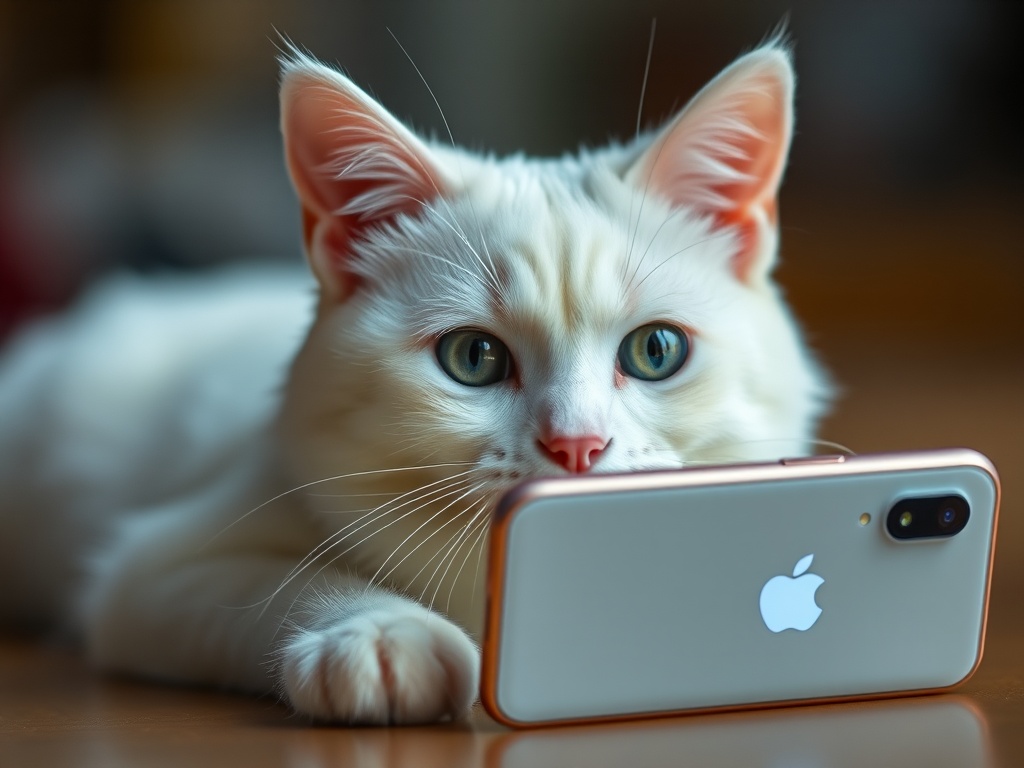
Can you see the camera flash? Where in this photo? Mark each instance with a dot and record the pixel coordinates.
(865, 519)
(905, 519)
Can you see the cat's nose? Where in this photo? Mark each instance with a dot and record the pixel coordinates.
(576, 454)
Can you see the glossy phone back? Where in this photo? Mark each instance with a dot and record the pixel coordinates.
(624, 596)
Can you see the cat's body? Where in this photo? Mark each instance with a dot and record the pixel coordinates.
(200, 513)
(142, 394)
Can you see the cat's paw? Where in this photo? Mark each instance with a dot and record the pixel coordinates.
(385, 666)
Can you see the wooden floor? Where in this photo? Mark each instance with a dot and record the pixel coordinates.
(56, 712)
(926, 358)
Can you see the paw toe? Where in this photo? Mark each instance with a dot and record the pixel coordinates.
(383, 669)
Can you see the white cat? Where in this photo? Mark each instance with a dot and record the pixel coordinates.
(478, 320)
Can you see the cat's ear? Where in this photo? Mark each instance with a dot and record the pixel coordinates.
(353, 166)
(724, 153)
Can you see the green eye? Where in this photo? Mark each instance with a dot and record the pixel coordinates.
(653, 352)
(474, 358)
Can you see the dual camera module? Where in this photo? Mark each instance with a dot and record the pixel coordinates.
(923, 518)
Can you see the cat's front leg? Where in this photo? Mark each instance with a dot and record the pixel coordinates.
(184, 601)
(371, 656)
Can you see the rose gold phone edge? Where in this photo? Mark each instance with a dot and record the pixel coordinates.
(795, 468)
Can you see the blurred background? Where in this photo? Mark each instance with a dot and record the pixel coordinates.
(142, 135)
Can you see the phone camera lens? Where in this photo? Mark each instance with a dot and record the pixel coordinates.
(924, 517)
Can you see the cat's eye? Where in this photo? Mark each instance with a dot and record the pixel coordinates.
(474, 358)
(653, 352)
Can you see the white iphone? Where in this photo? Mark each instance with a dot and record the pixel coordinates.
(819, 578)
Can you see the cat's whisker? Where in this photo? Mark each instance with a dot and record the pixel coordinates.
(492, 276)
(643, 258)
(373, 579)
(643, 93)
(831, 444)
(345, 495)
(421, 439)
(443, 260)
(413, 426)
(434, 557)
(636, 225)
(415, 443)
(310, 484)
(458, 537)
(425, 84)
(408, 436)
(813, 441)
(710, 462)
(647, 72)
(478, 545)
(451, 137)
(732, 458)
(483, 242)
(643, 199)
(424, 171)
(382, 511)
(454, 225)
(681, 250)
(296, 572)
(432, 496)
(739, 458)
(414, 496)
(339, 537)
(479, 524)
(479, 562)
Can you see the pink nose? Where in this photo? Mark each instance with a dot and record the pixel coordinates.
(576, 454)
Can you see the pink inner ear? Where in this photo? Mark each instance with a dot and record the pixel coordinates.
(352, 164)
(725, 153)
(348, 160)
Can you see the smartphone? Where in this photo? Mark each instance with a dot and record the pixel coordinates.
(811, 579)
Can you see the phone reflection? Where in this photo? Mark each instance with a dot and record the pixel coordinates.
(934, 732)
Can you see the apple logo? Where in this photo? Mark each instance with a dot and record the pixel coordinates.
(788, 603)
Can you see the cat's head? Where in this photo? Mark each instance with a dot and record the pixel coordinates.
(607, 311)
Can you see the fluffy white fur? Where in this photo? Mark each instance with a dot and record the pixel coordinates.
(200, 512)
